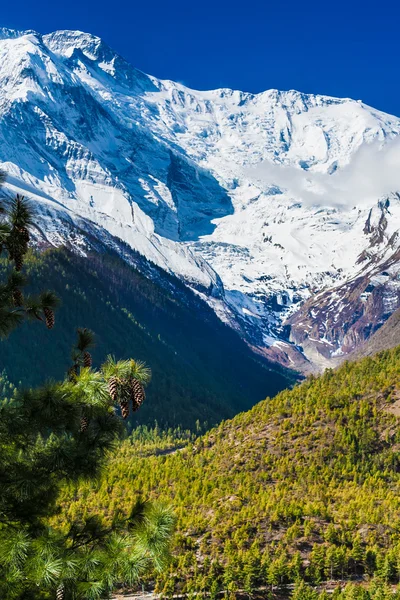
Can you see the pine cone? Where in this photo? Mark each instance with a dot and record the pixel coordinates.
(113, 388)
(60, 593)
(124, 404)
(19, 262)
(24, 233)
(17, 297)
(73, 372)
(87, 359)
(137, 394)
(50, 319)
(84, 424)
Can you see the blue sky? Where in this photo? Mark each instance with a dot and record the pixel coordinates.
(341, 48)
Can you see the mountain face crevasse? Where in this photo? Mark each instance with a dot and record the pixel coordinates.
(221, 188)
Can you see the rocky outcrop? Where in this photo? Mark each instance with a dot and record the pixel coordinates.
(334, 324)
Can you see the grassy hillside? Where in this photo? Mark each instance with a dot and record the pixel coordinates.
(305, 486)
(201, 369)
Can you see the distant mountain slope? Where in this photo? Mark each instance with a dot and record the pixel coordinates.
(267, 204)
(202, 370)
(304, 486)
(387, 336)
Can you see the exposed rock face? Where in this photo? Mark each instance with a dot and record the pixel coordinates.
(387, 336)
(335, 323)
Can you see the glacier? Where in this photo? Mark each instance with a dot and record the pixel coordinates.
(280, 209)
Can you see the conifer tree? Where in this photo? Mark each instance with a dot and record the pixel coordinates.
(57, 434)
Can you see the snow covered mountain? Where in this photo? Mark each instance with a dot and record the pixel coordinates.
(281, 209)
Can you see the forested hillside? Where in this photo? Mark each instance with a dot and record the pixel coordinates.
(201, 369)
(305, 486)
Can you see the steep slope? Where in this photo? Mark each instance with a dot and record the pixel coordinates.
(201, 369)
(387, 336)
(305, 485)
(260, 202)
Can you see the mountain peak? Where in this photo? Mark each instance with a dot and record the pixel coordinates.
(64, 42)
(6, 33)
(72, 44)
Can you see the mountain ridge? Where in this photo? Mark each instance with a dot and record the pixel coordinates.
(247, 198)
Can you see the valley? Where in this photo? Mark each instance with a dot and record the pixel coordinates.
(202, 370)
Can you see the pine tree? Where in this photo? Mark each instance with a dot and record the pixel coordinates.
(357, 554)
(302, 591)
(42, 449)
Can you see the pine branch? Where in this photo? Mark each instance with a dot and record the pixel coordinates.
(33, 308)
(9, 320)
(85, 339)
(49, 300)
(21, 213)
(5, 231)
(16, 280)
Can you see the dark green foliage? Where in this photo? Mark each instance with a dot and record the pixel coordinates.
(14, 238)
(56, 435)
(201, 368)
(85, 339)
(20, 217)
(7, 389)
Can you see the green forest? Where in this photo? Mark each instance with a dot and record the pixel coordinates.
(302, 489)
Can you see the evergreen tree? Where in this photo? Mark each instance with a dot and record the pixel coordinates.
(57, 434)
(302, 591)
